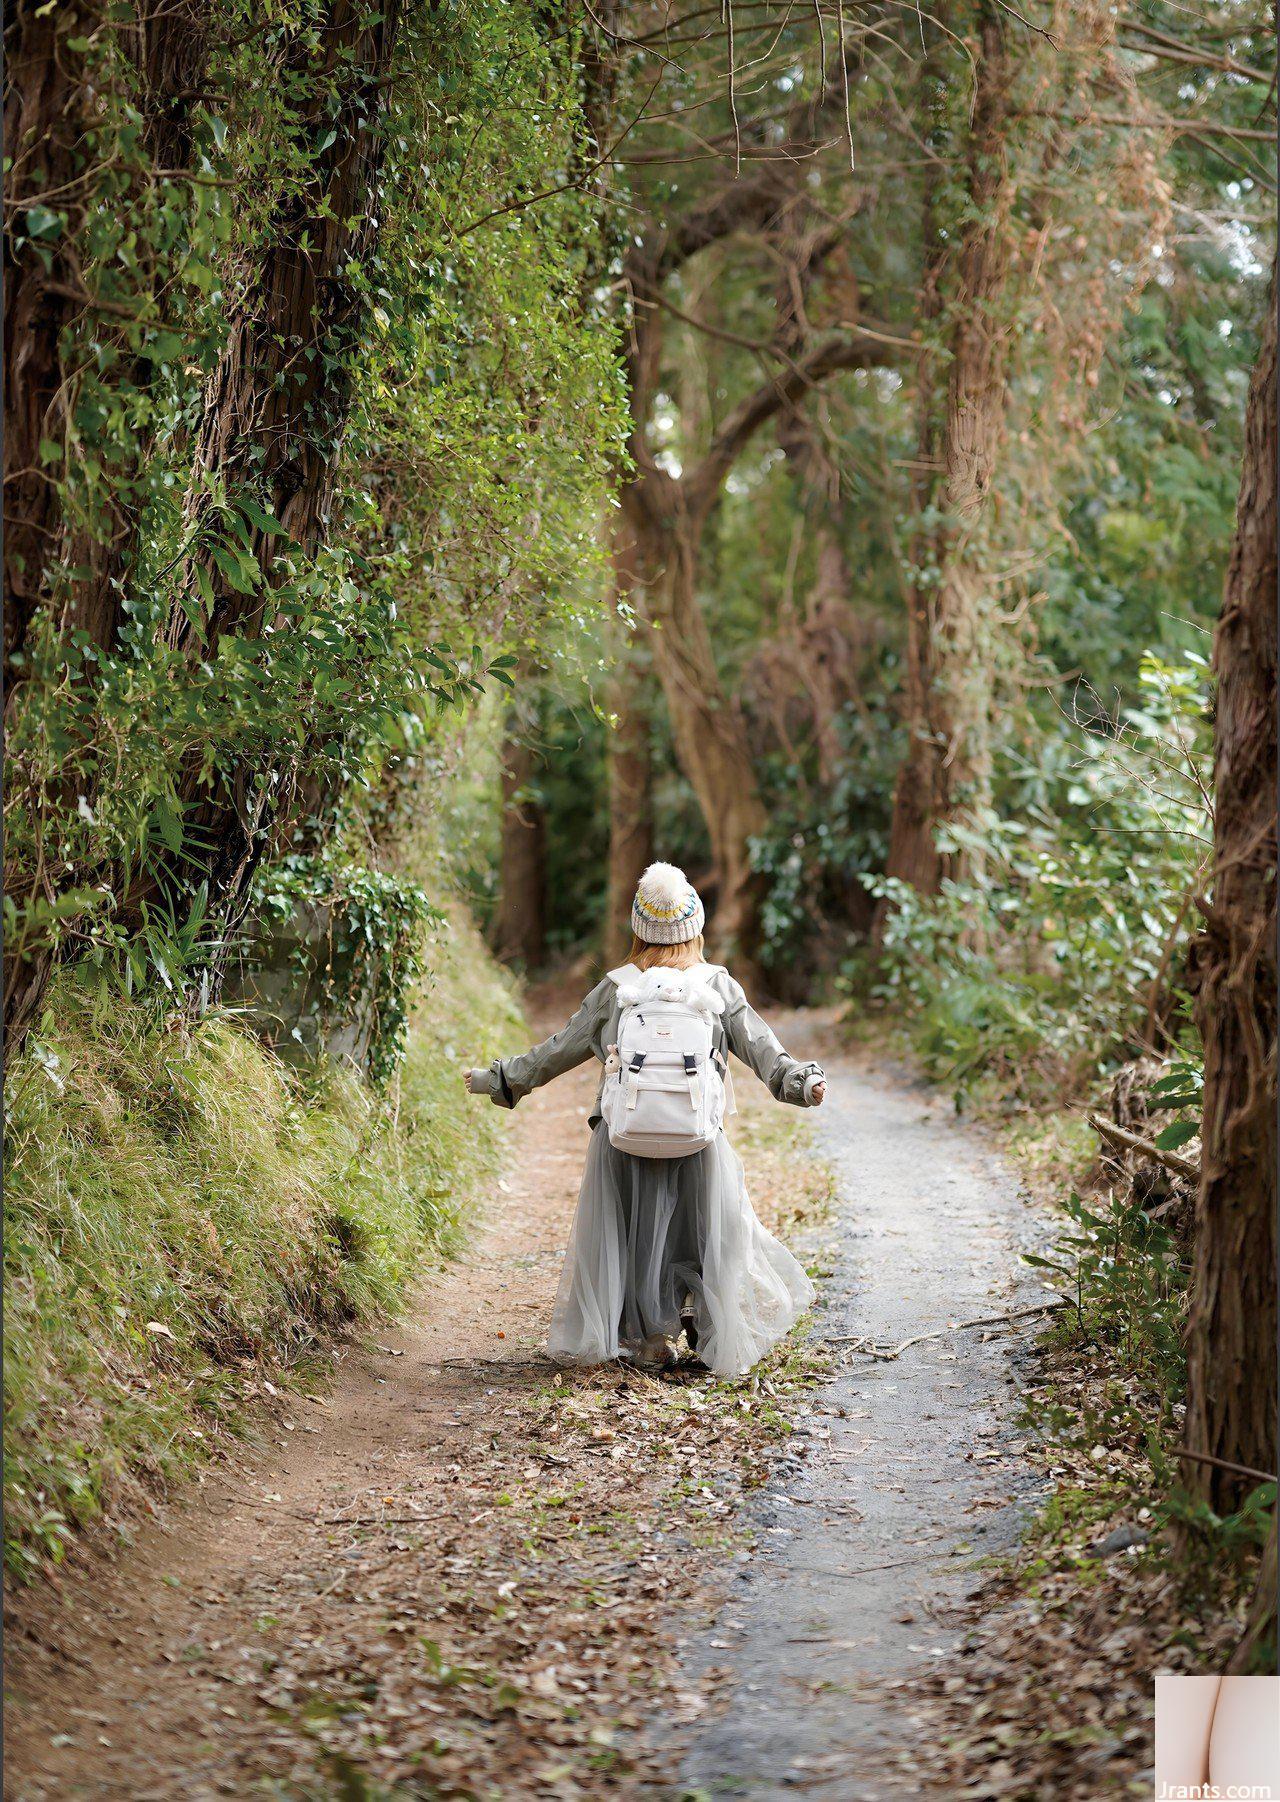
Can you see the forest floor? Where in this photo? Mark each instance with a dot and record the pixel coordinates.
(461, 1572)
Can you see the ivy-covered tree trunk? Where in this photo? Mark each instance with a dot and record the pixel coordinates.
(947, 689)
(1231, 1345)
(276, 410)
(92, 546)
(519, 928)
(172, 57)
(630, 764)
(48, 108)
(168, 44)
(669, 516)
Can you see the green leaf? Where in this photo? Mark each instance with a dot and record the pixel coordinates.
(43, 223)
(168, 824)
(1177, 1134)
(258, 516)
(232, 567)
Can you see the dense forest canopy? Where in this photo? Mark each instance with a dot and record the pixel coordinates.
(881, 375)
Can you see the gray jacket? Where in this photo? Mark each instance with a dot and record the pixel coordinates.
(595, 1027)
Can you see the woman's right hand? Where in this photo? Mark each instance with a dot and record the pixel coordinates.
(466, 1082)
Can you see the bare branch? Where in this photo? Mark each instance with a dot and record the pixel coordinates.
(863, 350)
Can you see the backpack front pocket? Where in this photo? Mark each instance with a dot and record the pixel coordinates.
(663, 1108)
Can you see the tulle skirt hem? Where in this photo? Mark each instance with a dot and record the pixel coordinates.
(653, 1236)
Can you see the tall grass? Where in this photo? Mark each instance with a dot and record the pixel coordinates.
(184, 1214)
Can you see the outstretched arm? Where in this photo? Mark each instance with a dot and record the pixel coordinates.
(509, 1079)
(755, 1042)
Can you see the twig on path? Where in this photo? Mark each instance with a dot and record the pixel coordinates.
(865, 1570)
(1241, 1470)
(859, 1342)
(500, 1363)
(1120, 1135)
(373, 1520)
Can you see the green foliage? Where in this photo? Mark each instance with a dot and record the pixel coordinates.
(1244, 1529)
(1044, 970)
(826, 842)
(368, 954)
(1129, 1289)
(571, 771)
(485, 413)
(184, 1216)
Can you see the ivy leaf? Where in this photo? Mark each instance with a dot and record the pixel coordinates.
(43, 223)
(186, 600)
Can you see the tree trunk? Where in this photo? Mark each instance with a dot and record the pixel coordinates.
(630, 764)
(277, 406)
(1231, 1346)
(48, 105)
(519, 932)
(708, 729)
(172, 54)
(947, 701)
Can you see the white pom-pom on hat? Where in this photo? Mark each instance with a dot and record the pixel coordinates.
(667, 909)
(663, 885)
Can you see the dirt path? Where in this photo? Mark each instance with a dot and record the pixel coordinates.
(462, 1574)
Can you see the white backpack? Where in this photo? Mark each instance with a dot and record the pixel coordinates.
(664, 1088)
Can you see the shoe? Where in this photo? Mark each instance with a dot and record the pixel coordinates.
(689, 1323)
(656, 1350)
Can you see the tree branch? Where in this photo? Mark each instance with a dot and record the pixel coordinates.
(862, 349)
(1144, 1147)
(755, 202)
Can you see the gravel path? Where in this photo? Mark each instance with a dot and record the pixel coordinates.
(867, 1545)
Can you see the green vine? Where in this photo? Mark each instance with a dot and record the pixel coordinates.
(363, 959)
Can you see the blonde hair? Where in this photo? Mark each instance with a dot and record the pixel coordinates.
(666, 957)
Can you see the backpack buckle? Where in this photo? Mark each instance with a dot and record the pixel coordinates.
(691, 1077)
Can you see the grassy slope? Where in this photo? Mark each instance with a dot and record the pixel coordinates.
(184, 1214)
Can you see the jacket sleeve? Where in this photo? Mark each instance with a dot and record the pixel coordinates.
(756, 1043)
(509, 1079)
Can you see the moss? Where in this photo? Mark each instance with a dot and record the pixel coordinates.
(184, 1214)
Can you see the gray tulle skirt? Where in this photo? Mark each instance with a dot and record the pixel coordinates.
(648, 1232)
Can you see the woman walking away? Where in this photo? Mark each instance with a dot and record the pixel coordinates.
(665, 1234)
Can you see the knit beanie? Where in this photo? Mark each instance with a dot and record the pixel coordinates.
(666, 910)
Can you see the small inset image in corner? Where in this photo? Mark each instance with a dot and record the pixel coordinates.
(1217, 1739)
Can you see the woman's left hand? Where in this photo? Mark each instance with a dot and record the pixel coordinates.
(819, 1091)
